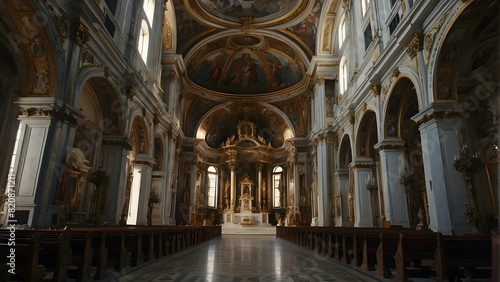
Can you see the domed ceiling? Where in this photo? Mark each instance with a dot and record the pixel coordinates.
(244, 53)
(246, 64)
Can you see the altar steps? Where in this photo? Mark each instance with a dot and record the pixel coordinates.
(248, 230)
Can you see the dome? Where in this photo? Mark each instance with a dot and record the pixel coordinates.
(247, 65)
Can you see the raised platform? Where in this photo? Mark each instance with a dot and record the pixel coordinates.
(232, 229)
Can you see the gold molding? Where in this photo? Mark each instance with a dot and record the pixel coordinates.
(415, 45)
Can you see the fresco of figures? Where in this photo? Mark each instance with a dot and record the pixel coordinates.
(234, 9)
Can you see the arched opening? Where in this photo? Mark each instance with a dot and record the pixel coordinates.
(277, 186)
(467, 72)
(401, 107)
(366, 139)
(345, 211)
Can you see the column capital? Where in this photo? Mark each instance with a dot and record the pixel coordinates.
(415, 45)
(364, 163)
(443, 110)
(391, 144)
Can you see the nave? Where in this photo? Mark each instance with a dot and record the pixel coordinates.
(246, 258)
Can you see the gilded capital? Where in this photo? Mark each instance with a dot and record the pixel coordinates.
(79, 33)
(415, 46)
(376, 89)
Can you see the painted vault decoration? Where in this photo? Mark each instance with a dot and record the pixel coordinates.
(247, 64)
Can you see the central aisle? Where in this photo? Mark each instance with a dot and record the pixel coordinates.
(245, 258)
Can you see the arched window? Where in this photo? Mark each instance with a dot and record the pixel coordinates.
(143, 44)
(364, 6)
(149, 10)
(342, 31)
(343, 75)
(212, 187)
(277, 177)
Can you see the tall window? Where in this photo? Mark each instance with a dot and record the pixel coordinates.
(149, 10)
(368, 36)
(394, 23)
(110, 13)
(144, 41)
(212, 186)
(342, 31)
(343, 75)
(364, 6)
(277, 176)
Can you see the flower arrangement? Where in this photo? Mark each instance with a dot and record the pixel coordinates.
(153, 197)
(98, 177)
(406, 177)
(371, 184)
(466, 163)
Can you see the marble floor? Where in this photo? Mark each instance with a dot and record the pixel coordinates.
(241, 258)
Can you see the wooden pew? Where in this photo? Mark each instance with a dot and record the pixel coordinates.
(385, 253)
(95, 239)
(55, 253)
(81, 247)
(414, 247)
(27, 250)
(468, 252)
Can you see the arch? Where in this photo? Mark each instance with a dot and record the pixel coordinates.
(345, 152)
(367, 136)
(402, 93)
(453, 41)
(139, 135)
(105, 96)
(229, 109)
(35, 46)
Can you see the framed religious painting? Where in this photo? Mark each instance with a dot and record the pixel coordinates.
(491, 168)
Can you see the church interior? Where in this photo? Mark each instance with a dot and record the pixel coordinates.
(248, 114)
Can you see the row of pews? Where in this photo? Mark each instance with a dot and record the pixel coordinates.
(399, 253)
(85, 254)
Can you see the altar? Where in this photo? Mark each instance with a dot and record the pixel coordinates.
(246, 214)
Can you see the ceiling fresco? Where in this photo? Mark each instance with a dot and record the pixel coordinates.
(246, 64)
(243, 53)
(262, 10)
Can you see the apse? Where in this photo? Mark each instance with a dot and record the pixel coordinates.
(221, 124)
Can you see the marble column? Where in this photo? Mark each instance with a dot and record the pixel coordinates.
(342, 219)
(139, 194)
(446, 188)
(232, 166)
(391, 160)
(259, 186)
(114, 159)
(362, 197)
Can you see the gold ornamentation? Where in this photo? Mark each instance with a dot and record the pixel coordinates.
(395, 72)
(79, 33)
(430, 36)
(415, 45)
(376, 88)
(321, 78)
(247, 24)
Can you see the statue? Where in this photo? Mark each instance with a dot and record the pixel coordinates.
(422, 224)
